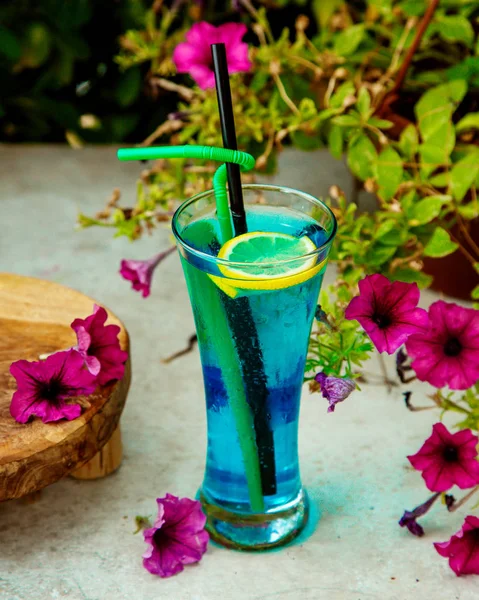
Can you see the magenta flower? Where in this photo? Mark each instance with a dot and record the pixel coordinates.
(409, 517)
(463, 548)
(448, 352)
(448, 459)
(194, 55)
(99, 346)
(177, 538)
(140, 272)
(45, 387)
(334, 389)
(387, 311)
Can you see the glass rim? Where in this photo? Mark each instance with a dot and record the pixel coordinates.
(244, 265)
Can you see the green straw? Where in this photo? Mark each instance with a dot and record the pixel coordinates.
(225, 348)
(243, 159)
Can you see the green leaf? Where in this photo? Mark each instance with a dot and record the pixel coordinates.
(427, 209)
(396, 237)
(344, 90)
(470, 121)
(364, 102)
(436, 106)
(64, 114)
(412, 276)
(389, 173)
(307, 108)
(475, 293)
(441, 180)
(36, 45)
(432, 157)
(259, 81)
(379, 254)
(385, 228)
(304, 141)
(128, 87)
(121, 125)
(361, 155)
(346, 42)
(346, 121)
(444, 139)
(380, 123)
(335, 141)
(454, 28)
(408, 141)
(440, 244)
(463, 174)
(9, 45)
(408, 200)
(412, 8)
(468, 69)
(470, 210)
(323, 10)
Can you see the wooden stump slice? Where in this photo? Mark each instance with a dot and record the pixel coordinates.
(35, 317)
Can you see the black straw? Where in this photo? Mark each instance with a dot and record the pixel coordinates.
(225, 106)
(238, 311)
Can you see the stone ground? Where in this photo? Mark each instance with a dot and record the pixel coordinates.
(77, 541)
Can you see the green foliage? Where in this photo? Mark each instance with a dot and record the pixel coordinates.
(421, 163)
(56, 65)
(337, 346)
(440, 244)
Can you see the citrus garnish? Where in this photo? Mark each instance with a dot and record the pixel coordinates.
(270, 261)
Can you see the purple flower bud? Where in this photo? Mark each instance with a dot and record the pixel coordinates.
(409, 517)
(334, 389)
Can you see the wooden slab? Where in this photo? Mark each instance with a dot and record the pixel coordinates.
(35, 317)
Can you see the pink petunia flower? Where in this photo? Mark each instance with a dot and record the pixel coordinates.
(448, 459)
(463, 548)
(140, 272)
(194, 55)
(99, 346)
(334, 389)
(448, 352)
(45, 387)
(177, 538)
(387, 311)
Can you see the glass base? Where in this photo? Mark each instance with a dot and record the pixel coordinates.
(241, 531)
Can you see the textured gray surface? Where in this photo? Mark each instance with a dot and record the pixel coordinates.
(76, 541)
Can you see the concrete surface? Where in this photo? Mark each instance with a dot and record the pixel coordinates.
(76, 541)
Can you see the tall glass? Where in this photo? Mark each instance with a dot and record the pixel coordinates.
(253, 324)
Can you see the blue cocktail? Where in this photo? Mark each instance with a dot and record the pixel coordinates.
(253, 300)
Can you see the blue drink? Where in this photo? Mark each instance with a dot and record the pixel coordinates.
(253, 335)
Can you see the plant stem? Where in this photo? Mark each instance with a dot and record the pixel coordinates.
(254, 13)
(192, 341)
(464, 499)
(283, 93)
(467, 254)
(384, 371)
(423, 25)
(466, 234)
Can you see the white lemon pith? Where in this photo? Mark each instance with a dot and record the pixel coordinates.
(269, 262)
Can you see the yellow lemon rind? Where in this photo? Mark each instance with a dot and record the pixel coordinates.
(232, 287)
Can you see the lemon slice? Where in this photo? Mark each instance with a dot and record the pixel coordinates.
(270, 259)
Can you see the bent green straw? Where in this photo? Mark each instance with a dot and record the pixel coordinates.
(213, 308)
(243, 159)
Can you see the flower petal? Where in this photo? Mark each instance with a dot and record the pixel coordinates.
(462, 549)
(177, 538)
